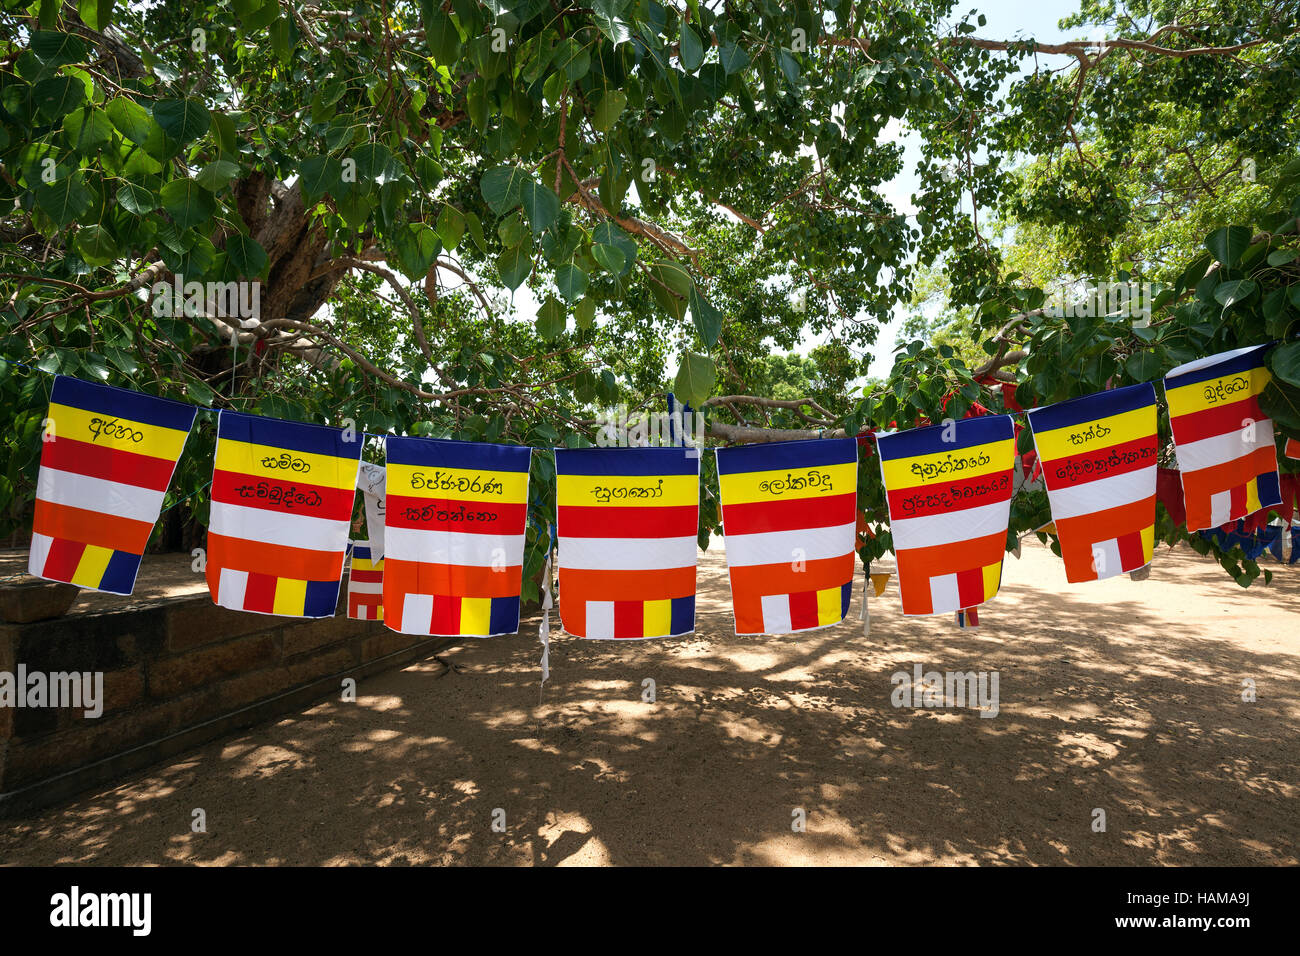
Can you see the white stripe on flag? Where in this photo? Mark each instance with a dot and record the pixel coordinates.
(1220, 508)
(944, 596)
(294, 531)
(776, 614)
(600, 618)
(40, 551)
(231, 587)
(950, 527)
(627, 554)
(417, 614)
(1220, 449)
(784, 547)
(99, 494)
(1102, 493)
(365, 587)
(1106, 560)
(454, 547)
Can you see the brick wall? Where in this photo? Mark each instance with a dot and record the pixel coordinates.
(175, 675)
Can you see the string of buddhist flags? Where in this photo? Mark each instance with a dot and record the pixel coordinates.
(448, 520)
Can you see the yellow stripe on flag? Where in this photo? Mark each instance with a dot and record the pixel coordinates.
(1102, 433)
(475, 615)
(787, 484)
(365, 564)
(828, 606)
(266, 461)
(1252, 496)
(462, 484)
(120, 434)
(1148, 542)
(91, 567)
(992, 577)
(957, 465)
(627, 491)
(1216, 392)
(657, 618)
(290, 596)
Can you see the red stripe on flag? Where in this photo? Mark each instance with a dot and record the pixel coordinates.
(1238, 498)
(1101, 463)
(259, 593)
(970, 586)
(629, 619)
(1215, 421)
(110, 464)
(949, 496)
(759, 516)
(589, 521)
(282, 497)
(1131, 554)
(803, 610)
(446, 514)
(366, 577)
(62, 561)
(446, 615)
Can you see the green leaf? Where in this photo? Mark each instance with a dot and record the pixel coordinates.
(246, 255)
(1280, 257)
(319, 175)
(131, 119)
(182, 120)
(608, 109)
(515, 265)
(216, 174)
(96, 14)
(65, 199)
(96, 245)
(571, 281)
(451, 226)
(573, 58)
(609, 258)
(692, 48)
(695, 379)
(584, 313)
(541, 205)
(1143, 366)
(187, 202)
(708, 320)
(608, 15)
(88, 129)
(59, 95)
(732, 57)
(57, 48)
(441, 34)
(500, 187)
(417, 247)
(136, 199)
(475, 229)
(1285, 362)
(1228, 244)
(1228, 294)
(550, 319)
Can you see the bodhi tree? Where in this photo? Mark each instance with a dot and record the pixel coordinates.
(687, 185)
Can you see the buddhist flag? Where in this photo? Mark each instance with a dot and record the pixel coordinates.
(948, 488)
(454, 521)
(1223, 441)
(365, 584)
(1292, 448)
(789, 515)
(1099, 463)
(282, 496)
(106, 462)
(628, 530)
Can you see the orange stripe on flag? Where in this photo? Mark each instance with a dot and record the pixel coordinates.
(660, 585)
(91, 527)
(415, 577)
(277, 560)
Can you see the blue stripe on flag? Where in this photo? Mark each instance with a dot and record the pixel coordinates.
(929, 440)
(503, 616)
(321, 599)
(1079, 411)
(446, 453)
(682, 618)
(625, 461)
(781, 455)
(291, 436)
(108, 399)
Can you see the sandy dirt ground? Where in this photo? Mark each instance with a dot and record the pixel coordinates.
(1118, 696)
